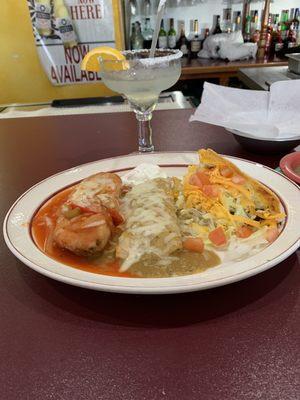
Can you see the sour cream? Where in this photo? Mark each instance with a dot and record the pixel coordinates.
(143, 173)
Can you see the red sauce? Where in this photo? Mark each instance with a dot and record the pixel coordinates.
(40, 232)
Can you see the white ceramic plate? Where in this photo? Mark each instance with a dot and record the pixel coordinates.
(17, 229)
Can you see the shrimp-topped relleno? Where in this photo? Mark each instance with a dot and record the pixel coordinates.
(85, 222)
(98, 191)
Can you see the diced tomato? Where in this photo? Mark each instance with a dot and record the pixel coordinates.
(272, 234)
(226, 172)
(238, 179)
(203, 176)
(194, 180)
(244, 232)
(194, 244)
(116, 216)
(211, 190)
(218, 237)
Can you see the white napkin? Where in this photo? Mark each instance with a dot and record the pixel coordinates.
(237, 51)
(261, 114)
(213, 43)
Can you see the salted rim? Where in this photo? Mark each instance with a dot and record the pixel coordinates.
(176, 54)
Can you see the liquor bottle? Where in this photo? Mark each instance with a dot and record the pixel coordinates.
(276, 21)
(292, 37)
(256, 36)
(43, 17)
(297, 15)
(206, 33)
(287, 19)
(255, 31)
(276, 42)
(227, 25)
(137, 40)
(162, 37)
(238, 22)
(287, 13)
(279, 42)
(247, 34)
(271, 18)
(284, 23)
(146, 9)
(147, 34)
(268, 36)
(254, 22)
(183, 44)
(64, 24)
(172, 35)
(270, 21)
(132, 36)
(195, 43)
(296, 18)
(217, 27)
(298, 37)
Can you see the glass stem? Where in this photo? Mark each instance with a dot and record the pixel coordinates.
(145, 131)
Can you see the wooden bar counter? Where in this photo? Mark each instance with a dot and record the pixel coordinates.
(201, 68)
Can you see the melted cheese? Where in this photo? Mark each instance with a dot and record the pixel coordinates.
(151, 224)
(95, 192)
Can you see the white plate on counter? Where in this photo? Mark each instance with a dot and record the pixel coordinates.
(18, 238)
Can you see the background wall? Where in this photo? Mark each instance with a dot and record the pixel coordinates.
(22, 78)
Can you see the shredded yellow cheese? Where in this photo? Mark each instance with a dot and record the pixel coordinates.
(233, 198)
(245, 220)
(227, 183)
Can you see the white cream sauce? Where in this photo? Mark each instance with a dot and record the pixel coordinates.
(151, 225)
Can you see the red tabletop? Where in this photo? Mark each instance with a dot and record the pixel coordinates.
(61, 342)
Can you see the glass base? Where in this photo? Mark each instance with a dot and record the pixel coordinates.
(144, 149)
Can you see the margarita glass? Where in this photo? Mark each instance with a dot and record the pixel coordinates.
(141, 79)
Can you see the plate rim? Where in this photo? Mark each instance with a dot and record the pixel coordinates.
(184, 287)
